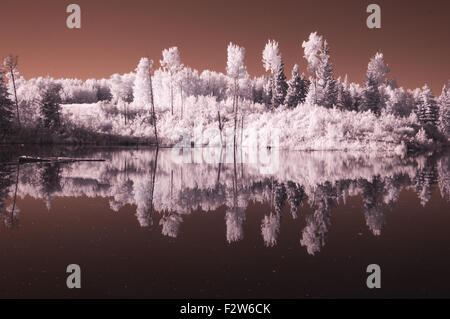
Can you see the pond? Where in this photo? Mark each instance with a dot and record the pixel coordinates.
(145, 224)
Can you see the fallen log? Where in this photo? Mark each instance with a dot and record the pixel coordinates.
(32, 159)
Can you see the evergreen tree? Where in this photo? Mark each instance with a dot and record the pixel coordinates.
(372, 99)
(6, 106)
(444, 111)
(326, 83)
(427, 108)
(296, 91)
(371, 96)
(268, 91)
(280, 86)
(344, 98)
(304, 88)
(50, 107)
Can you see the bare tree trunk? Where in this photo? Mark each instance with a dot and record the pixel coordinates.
(220, 128)
(315, 90)
(15, 192)
(126, 113)
(153, 182)
(220, 167)
(153, 111)
(15, 96)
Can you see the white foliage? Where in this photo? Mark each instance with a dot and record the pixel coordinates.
(271, 57)
(312, 49)
(142, 88)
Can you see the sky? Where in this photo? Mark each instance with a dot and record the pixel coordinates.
(414, 35)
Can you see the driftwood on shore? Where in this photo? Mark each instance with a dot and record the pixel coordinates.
(32, 159)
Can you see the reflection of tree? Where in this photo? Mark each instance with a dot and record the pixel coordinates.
(12, 216)
(270, 226)
(372, 196)
(145, 193)
(6, 181)
(425, 179)
(342, 187)
(170, 224)
(295, 196)
(443, 169)
(123, 190)
(321, 182)
(235, 215)
(393, 187)
(50, 181)
(317, 225)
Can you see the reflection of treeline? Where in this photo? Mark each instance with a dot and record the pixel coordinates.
(163, 191)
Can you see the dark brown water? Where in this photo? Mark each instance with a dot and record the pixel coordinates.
(142, 225)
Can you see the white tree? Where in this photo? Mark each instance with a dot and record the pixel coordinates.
(171, 63)
(11, 63)
(143, 90)
(427, 108)
(377, 69)
(312, 53)
(142, 84)
(326, 81)
(374, 92)
(271, 59)
(121, 87)
(444, 111)
(237, 74)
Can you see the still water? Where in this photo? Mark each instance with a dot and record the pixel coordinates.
(144, 225)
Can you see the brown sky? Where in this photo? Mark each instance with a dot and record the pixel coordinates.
(414, 36)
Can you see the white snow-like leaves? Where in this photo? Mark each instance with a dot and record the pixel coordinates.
(142, 88)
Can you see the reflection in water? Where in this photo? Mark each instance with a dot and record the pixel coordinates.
(163, 190)
(9, 214)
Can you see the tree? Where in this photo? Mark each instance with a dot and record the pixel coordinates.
(171, 63)
(237, 73)
(50, 106)
(142, 90)
(122, 87)
(10, 63)
(372, 99)
(6, 105)
(280, 86)
(444, 111)
(427, 109)
(294, 89)
(297, 88)
(343, 98)
(271, 59)
(371, 96)
(326, 81)
(312, 50)
(378, 69)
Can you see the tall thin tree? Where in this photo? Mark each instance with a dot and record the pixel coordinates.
(11, 63)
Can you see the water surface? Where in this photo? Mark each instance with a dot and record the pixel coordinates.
(144, 225)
